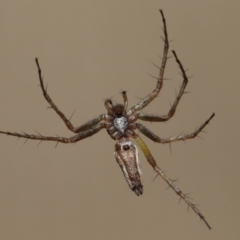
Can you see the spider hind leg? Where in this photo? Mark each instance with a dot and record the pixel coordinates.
(170, 182)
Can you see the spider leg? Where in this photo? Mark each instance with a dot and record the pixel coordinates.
(78, 137)
(183, 137)
(89, 124)
(69, 125)
(125, 100)
(156, 118)
(143, 103)
(170, 182)
(108, 105)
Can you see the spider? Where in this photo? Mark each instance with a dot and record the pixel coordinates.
(121, 123)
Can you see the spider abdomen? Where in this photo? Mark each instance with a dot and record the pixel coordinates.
(126, 154)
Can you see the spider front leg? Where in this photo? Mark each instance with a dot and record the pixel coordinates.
(170, 182)
(156, 118)
(156, 91)
(184, 137)
(69, 125)
(76, 138)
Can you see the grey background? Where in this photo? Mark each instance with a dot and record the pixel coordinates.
(90, 50)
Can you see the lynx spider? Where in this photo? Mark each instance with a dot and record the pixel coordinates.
(120, 124)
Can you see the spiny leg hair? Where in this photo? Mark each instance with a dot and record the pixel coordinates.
(170, 182)
(156, 118)
(85, 130)
(69, 125)
(181, 137)
(84, 134)
(144, 102)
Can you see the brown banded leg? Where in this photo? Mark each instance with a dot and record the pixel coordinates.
(69, 125)
(184, 137)
(89, 124)
(157, 118)
(78, 137)
(170, 182)
(143, 103)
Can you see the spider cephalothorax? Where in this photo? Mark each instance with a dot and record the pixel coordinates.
(120, 124)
